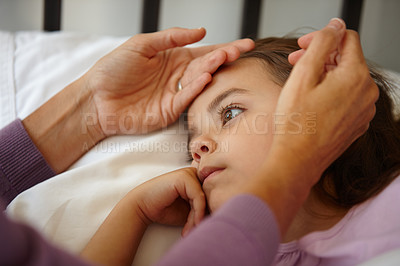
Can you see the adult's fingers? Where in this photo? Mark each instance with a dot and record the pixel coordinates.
(330, 63)
(243, 45)
(208, 63)
(305, 40)
(184, 97)
(352, 78)
(351, 52)
(304, 43)
(295, 56)
(150, 44)
(353, 70)
(311, 66)
(203, 68)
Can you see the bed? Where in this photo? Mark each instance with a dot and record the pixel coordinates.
(68, 208)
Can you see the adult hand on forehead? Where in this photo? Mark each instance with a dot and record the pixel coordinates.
(132, 90)
(342, 100)
(137, 82)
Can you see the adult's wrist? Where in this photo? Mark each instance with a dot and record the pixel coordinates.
(59, 128)
(89, 119)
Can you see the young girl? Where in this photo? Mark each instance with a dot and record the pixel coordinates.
(350, 215)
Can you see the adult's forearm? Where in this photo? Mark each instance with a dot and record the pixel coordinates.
(65, 127)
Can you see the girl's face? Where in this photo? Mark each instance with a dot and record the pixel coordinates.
(231, 127)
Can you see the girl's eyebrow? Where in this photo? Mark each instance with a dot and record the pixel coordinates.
(216, 102)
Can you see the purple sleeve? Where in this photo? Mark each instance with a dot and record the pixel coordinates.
(21, 167)
(242, 232)
(21, 163)
(21, 245)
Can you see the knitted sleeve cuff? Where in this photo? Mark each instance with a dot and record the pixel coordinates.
(21, 163)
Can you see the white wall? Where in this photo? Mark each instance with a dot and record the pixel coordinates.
(280, 17)
(380, 32)
(221, 18)
(20, 15)
(111, 17)
(380, 28)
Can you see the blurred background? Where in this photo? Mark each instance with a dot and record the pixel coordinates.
(379, 22)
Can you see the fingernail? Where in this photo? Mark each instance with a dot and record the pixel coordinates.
(336, 23)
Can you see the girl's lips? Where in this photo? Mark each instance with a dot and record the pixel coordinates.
(208, 171)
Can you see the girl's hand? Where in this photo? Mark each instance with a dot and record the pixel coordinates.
(175, 198)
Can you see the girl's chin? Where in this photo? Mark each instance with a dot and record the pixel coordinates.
(214, 201)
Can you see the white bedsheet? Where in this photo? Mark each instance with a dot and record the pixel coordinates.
(68, 208)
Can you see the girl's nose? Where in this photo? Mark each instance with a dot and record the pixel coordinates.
(202, 147)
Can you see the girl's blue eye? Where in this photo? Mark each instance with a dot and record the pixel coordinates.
(230, 113)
